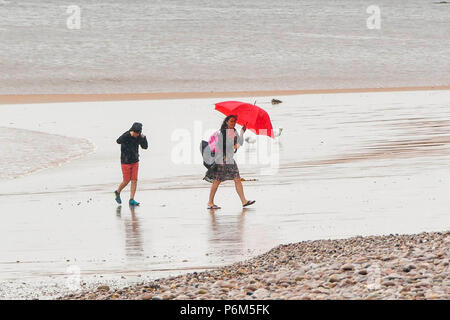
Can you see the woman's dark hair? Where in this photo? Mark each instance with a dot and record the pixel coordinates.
(224, 123)
(223, 129)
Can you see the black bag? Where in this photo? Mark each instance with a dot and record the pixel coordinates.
(207, 154)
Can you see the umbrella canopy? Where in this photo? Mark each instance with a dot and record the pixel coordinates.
(256, 119)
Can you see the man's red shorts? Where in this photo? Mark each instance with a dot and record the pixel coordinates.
(130, 171)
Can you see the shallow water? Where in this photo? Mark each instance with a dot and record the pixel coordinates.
(206, 45)
(24, 151)
(350, 164)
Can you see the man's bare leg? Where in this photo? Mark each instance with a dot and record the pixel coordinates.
(122, 185)
(133, 188)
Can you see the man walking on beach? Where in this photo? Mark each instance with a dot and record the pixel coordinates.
(129, 146)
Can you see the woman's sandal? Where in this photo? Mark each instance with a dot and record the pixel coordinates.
(213, 207)
(249, 203)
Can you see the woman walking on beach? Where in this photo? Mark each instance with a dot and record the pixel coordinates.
(226, 142)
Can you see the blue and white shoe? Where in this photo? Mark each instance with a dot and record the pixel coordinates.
(133, 202)
(118, 200)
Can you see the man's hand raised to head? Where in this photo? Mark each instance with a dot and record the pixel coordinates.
(134, 134)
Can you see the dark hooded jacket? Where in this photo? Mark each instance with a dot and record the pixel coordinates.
(129, 146)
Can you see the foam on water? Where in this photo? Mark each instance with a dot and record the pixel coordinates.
(25, 151)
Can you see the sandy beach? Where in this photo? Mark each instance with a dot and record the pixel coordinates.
(350, 164)
(51, 98)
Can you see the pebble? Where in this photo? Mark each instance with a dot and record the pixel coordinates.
(363, 272)
(261, 293)
(146, 297)
(103, 288)
(347, 267)
(334, 278)
(388, 283)
(227, 285)
(393, 276)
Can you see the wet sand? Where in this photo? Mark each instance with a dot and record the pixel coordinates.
(366, 163)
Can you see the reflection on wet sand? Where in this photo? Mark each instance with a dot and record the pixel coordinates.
(133, 239)
(227, 233)
(437, 146)
(422, 138)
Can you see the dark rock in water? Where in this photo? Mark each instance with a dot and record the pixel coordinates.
(276, 101)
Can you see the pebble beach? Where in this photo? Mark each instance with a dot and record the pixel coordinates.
(375, 267)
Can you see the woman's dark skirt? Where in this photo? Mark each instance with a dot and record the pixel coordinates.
(222, 172)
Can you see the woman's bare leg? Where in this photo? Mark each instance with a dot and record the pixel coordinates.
(212, 192)
(240, 190)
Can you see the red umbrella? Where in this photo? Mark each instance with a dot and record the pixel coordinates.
(256, 119)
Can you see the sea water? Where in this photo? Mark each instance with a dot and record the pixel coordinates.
(116, 46)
